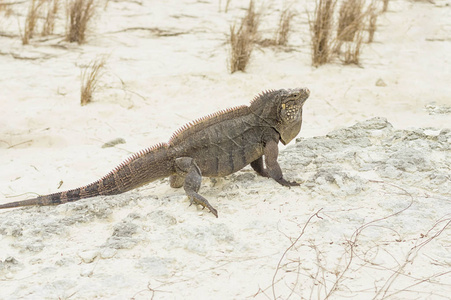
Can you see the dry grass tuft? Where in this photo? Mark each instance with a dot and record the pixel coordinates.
(5, 8)
(350, 30)
(385, 7)
(349, 20)
(351, 55)
(321, 30)
(79, 13)
(353, 33)
(46, 8)
(372, 22)
(242, 39)
(31, 20)
(226, 9)
(242, 47)
(50, 17)
(90, 78)
(284, 27)
(252, 20)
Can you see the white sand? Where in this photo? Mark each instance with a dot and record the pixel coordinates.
(149, 241)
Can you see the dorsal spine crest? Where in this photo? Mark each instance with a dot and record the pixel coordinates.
(262, 94)
(129, 159)
(206, 121)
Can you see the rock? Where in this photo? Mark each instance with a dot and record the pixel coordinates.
(120, 242)
(108, 253)
(88, 256)
(86, 271)
(380, 82)
(153, 266)
(113, 143)
(162, 218)
(124, 229)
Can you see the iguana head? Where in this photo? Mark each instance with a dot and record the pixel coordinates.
(282, 110)
(290, 113)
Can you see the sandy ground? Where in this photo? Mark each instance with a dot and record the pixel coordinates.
(371, 219)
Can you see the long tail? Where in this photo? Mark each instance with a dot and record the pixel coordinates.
(141, 168)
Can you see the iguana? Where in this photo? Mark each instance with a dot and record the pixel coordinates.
(216, 145)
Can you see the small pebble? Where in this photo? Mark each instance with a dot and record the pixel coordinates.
(88, 256)
(380, 82)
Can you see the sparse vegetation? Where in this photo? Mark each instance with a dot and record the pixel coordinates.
(79, 14)
(385, 7)
(349, 19)
(242, 39)
(351, 55)
(226, 9)
(52, 7)
(4, 8)
(242, 47)
(350, 28)
(90, 78)
(284, 27)
(372, 22)
(35, 9)
(30, 21)
(321, 31)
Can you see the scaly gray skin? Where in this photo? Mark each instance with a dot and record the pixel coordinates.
(216, 145)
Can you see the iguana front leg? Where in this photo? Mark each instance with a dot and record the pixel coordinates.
(258, 167)
(271, 152)
(187, 168)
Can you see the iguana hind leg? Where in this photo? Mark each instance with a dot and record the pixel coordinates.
(188, 170)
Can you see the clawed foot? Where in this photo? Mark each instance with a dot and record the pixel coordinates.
(202, 202)
(288, 183)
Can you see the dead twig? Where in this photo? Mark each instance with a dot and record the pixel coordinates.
(352, 242)
(410, 257)
(288, 249)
